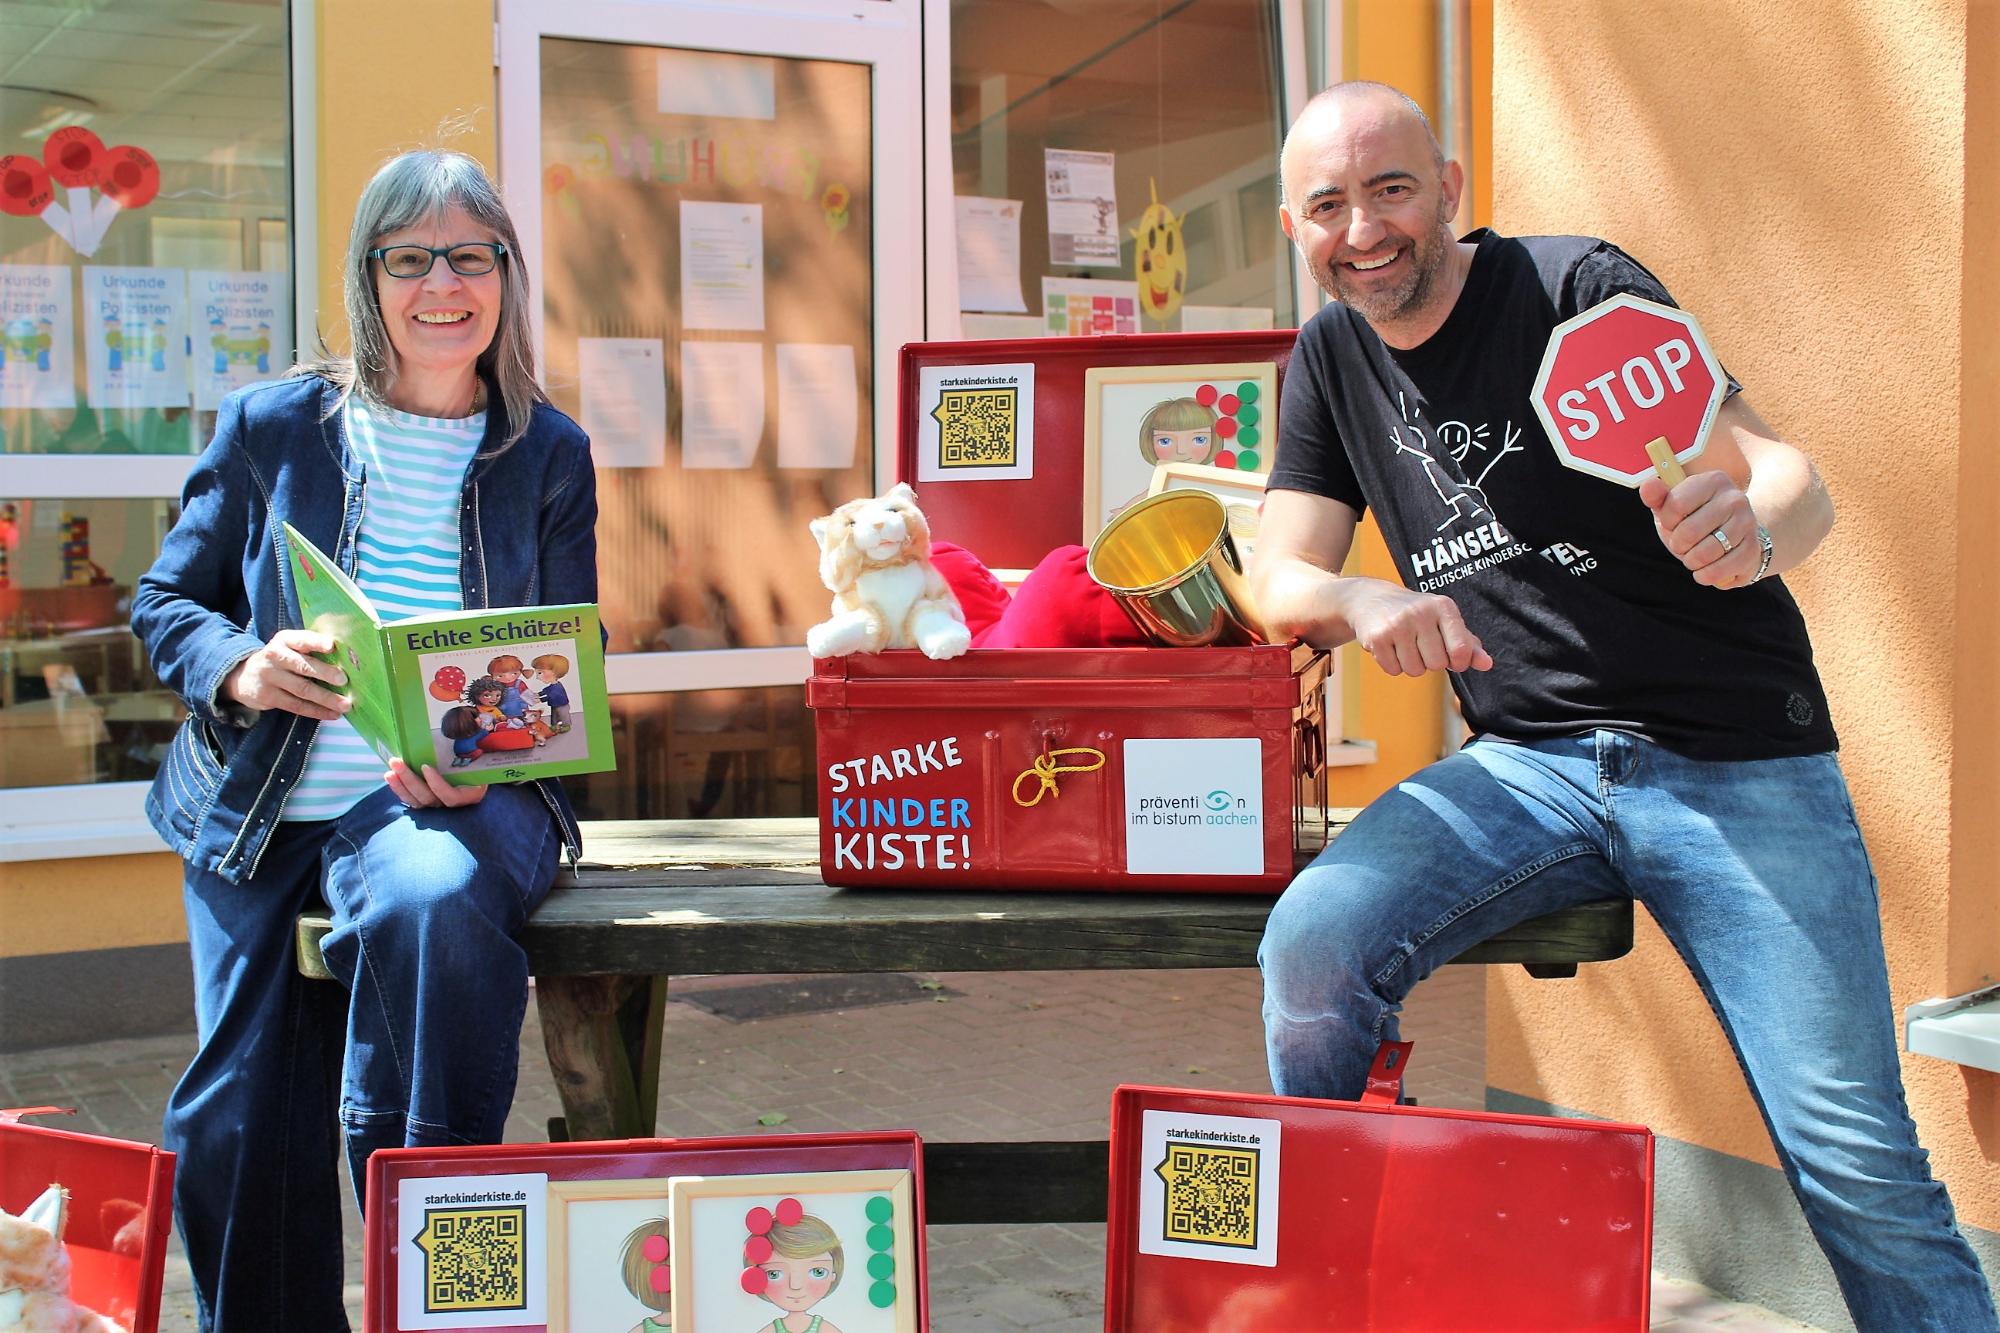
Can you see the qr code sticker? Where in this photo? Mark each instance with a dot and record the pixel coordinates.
(1211, 1194)
(475, 1259)
(978, 427)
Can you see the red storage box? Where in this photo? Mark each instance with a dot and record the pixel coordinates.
(1233, 1212)
(121, 1210)
(1166, 768)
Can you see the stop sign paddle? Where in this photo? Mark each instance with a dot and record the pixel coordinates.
(1628, 387)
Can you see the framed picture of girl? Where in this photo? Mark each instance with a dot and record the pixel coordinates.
(1222, 415)
(608, 1256)
(798, 1252)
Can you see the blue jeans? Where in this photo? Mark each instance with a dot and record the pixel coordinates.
(1757, 874)
(419, 1042)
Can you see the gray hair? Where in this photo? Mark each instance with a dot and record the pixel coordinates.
(409, 189)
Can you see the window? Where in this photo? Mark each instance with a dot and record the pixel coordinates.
(1182, 102)
(155, 279)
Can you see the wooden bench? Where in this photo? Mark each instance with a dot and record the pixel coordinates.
(658, 898)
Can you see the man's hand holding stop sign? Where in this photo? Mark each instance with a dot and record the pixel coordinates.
(1629, 391)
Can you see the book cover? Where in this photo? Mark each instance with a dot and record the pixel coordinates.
(483, 696)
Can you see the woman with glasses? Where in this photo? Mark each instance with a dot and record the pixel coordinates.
(432, 467)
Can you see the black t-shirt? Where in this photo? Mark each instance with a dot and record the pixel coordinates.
(1591, 622)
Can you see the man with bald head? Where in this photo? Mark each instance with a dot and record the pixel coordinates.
(1647, 721)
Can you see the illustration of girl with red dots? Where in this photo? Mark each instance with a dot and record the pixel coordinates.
(793, 1260)
(1176, 430)
(644, 1262)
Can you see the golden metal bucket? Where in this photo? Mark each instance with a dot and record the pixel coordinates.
(1170, 562)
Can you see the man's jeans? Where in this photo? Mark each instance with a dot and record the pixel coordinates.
(1757, 874)
(427, 1015)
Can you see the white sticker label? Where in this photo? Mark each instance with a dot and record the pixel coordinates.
(1194, 807)
(976, 423)
(1208, 1188)
(471, 1251)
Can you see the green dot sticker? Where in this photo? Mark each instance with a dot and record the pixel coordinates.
(1247, 414)
(879, 1208)
(1247, 391)
(881, 1238)
(1247, 437)
(1246, 462)
(881, 1267)
(882, 1295)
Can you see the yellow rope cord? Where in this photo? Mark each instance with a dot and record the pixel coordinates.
(1045, 768)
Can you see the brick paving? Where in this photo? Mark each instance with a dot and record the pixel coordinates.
(1005, 1056)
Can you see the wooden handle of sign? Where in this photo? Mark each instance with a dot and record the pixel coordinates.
(1664, 462)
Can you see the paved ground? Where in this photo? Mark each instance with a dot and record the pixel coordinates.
(989, 1056)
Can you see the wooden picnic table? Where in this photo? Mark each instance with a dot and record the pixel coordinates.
(653, 899)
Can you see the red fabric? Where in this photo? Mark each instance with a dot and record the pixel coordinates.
(1059, 606)
(982, 597)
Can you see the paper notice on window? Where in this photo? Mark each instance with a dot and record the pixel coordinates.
(1083, 207)
(1087, 307)
(623, 385)
(818, 405)
(36, 337)
(135, 336)
(710, 84)
(989, 253)
(1223, 318)
(722, 266)
(471, 1251)
(242, 330)
(722, 404)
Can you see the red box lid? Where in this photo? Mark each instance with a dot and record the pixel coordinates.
(1014, 523)
(120, 1210)
(1385, 1216)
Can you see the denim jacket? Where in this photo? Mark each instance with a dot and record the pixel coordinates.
(222, 587)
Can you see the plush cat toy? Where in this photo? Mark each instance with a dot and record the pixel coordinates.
(874, 555)
(34, 1272)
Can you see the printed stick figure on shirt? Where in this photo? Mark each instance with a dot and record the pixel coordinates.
(1458, 497)
(1462, 440)
(793, 1260)
(644, 1263)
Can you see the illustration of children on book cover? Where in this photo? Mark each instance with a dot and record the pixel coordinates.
(493, 709)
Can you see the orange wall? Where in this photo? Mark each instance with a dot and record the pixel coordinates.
(1392, 42)
(378, 96)
(1798, 176)
(99, 902)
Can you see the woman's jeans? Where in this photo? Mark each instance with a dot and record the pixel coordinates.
(419, 1040)
(1757, 874)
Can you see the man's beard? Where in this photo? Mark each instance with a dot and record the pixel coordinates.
(1387, 305)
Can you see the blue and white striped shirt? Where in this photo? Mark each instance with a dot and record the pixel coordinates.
(407, 564)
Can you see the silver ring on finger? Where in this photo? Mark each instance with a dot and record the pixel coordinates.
(1722, 538)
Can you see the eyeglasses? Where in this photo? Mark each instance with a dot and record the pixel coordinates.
(469, 259)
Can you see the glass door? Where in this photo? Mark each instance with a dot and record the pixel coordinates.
(721, 217)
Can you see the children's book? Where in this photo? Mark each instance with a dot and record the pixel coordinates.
(482, 696)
